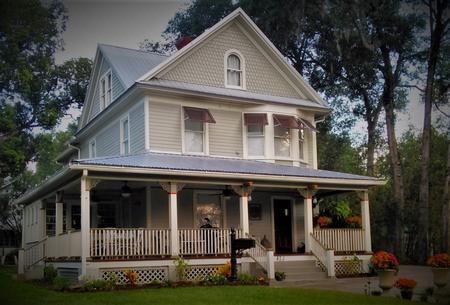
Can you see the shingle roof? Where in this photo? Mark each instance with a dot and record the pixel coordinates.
(130, 64)
(168, 161)
(162, 83)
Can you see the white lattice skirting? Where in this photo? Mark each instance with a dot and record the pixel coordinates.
(345, 267)
(198, 273)
(145, 275)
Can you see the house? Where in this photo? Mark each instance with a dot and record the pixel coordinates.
(172, 152)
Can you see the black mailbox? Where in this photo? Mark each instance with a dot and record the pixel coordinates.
(243, 243)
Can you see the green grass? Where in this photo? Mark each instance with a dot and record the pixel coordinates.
(23, 293)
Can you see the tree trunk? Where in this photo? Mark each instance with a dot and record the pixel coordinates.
(446, 206)
(424, 249)
(371, 144)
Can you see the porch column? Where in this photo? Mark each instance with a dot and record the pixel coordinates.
(307, 195)
(365, 217)
(172, 190)
(243, 191)
(59, 206)
(86, 186)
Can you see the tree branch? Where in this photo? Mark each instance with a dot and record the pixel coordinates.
(412, 86)
(441, 111)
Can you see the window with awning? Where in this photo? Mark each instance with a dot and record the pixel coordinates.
(255, 123)
(194, 128)
(305, 124)
(282, 134)
(255, 119)
(198, 115)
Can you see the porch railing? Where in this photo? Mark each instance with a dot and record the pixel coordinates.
(63, 245)
(126, 243)
(323, 254)
(205, 241)
(341, 240)
(33, 254)
(263, 257)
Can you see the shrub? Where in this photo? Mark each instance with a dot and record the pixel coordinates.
(180, 267)
(441, 260)
(61, 283)
(225, 270)
(132, 277)
(280, 276)
(98, 285)
(214, 280)
(50, 273)
(245, 278)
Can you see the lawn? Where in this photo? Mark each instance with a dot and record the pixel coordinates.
(23, 293)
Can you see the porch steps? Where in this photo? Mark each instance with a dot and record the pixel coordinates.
(300, 271)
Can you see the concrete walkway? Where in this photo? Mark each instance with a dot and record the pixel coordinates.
(421, 274)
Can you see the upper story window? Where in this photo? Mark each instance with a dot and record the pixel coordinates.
(301, 144)
(255, 124)
(105, 90)
(283, 124)
(234, 73)
(195, 120)
(125, 136)
(92, 149)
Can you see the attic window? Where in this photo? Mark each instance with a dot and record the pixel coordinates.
(105, 90)
(234, 73)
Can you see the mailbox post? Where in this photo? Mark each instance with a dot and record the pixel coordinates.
(236, 245)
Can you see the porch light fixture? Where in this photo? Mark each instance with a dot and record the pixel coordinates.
(126, 190)
(227, 192)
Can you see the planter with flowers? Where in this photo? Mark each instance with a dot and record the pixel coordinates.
(353, 221)
(440, 264)
(406, 287)
(324, 222)
(386, 265)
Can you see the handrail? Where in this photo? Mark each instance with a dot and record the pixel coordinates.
(263, 257)
(323, 254)
(34, 253)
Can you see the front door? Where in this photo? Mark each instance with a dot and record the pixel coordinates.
(282, 212)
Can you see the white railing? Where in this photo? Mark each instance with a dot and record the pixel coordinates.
(205, 241)
(323, 254)
(125, 243)
(341, 240)
(263, 257)
(63, 245)
(33, 254)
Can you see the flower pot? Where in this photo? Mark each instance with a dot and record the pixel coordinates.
(406, 294)
(386, 278)
(440, 276)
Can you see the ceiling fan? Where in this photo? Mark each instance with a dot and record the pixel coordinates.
(226, 193)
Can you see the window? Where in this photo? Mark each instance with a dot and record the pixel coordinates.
(255, 140)
(92, 149)
(124, 136)
(234, 71)
(194, 133)
(301, 146)
(282, 141)
(105, 90)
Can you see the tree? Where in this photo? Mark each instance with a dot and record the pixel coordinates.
(438, 12)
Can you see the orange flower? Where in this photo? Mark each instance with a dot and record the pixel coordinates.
(441, 260)
(405, 284)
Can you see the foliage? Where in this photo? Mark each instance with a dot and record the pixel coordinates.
(50, 273)
(61, 283)
(214, 280)
(383, 260)
(181, 266)
(225, 270)
(247, 279)
(98, 284)
(132, 277)
(324, 221)
(441, 260)
(405, 284)
(354, 221)
(280, 276)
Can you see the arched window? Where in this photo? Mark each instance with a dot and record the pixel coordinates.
(234, 73)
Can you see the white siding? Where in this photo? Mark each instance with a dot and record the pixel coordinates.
(137, 129)
(107, 142)
(225, 137)
(159, 209)
(165, 127)
(262, 227)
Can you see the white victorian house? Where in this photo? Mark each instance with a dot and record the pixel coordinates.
(172, 152)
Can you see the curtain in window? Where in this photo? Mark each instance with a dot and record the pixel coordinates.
(233, 70)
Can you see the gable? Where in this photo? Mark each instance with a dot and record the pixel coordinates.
(205, 65)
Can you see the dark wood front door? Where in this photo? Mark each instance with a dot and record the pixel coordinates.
(282, 211)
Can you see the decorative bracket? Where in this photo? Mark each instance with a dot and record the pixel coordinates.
(363, 195)
(91, 183)
(307, 193)
(243, 190)
(171, 187)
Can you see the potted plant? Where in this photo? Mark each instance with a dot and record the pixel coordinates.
(406, 287)
(385, 265)
(280, 276)
(324, 221)
(440, 264)
(353, 221)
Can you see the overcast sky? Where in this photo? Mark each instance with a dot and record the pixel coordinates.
(126, 23)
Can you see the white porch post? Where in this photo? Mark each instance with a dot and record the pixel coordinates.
(365, 217)
(243, 191)
(85, 221)
(172, 190)
(59, 205)
(307, 195)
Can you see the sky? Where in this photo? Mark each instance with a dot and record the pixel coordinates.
(126, 23)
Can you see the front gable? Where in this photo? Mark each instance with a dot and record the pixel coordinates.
(206, 64)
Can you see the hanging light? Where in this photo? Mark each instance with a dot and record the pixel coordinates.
(126, 190)
(227, 192)
(315, 202)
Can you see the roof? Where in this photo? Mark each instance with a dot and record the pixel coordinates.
(241, 94)
(130, 64)
(206, 164)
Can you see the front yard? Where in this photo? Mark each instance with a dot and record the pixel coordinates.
(23, 293)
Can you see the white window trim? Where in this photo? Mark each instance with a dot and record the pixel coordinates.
(104, 77)
(225, 68)
(205, 138)
(245, 139)
(125, 118)
(291, 148)
(300, 158)
(91, 153)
